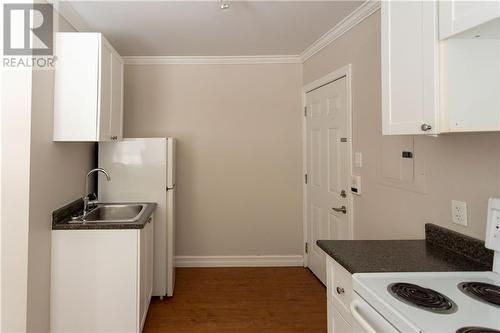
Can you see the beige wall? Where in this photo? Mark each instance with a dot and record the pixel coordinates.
(239, 152)
(464, 167)
(57, 174)
(38, 176)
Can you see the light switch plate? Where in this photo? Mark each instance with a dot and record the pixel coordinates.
(493, 226)
(459, 212)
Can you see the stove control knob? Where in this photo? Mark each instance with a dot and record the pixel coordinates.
(340, 290)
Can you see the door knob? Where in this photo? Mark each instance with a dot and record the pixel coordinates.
(342, 210)
(425, 127)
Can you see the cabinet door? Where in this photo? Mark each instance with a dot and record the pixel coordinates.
(94, 281)
(146, 270)
(142, 276)
(104, 119)
(471, 85)
(150, 260)
(339, 324)
(76, 87)
(458, 16)
(409, 67)
(116, 115)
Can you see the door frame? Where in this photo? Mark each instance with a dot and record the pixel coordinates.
(344, 71)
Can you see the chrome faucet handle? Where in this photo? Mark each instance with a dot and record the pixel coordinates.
(87, 196)
(92, 203)
(91, 197)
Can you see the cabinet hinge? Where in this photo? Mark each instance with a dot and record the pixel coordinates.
(305, 111)
(306, 248)
(305, 178)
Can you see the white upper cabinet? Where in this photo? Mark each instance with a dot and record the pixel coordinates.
(456, 16)
(410, 67)
(446, 83)
(470, 97)
(88, 93)
(470, 66)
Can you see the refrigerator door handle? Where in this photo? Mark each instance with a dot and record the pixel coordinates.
(170, 188)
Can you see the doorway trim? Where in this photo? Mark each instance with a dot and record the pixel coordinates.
(344, 71)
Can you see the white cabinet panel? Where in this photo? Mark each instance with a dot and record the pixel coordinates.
(104, 94)
(88, 94)
(340, 325)
(339, 297)
(101, 280)
(409, 67)
(456, 16)
(471, 85)
(75, 109)
(145, 270)
(94, 271)
(116, 126)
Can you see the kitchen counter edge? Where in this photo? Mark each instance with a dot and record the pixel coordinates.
(61, 223)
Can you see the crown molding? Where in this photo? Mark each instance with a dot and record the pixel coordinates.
(211, 60)
(66, 10)
(359, 14)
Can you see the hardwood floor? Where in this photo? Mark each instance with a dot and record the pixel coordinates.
(268, 300)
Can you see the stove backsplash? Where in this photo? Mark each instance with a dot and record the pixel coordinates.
(467, 246)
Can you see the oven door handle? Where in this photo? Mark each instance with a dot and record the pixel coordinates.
(361, 321)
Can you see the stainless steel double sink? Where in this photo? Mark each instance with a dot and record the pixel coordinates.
(112, 213)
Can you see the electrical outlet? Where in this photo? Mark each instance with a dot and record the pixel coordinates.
(459, 212)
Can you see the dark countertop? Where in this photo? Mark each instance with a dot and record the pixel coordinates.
(62, 216)
(368, 256)
(443, 250)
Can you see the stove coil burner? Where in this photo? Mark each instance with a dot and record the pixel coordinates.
(423, 298)
(473, 329)
(484, 292)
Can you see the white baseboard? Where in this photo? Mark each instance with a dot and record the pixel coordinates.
(239, 261)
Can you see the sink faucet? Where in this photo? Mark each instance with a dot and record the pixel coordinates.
(86, 199)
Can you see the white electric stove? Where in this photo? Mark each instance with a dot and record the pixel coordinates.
(443, 314)
(444, 302)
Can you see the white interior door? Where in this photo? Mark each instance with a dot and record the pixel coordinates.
(327, 169)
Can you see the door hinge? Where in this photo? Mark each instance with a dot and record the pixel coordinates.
(306, 248)
(305, 111)
(305, 178)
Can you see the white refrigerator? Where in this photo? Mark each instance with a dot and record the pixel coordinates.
(144, 170)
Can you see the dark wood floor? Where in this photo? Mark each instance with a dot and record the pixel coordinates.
(273, 300)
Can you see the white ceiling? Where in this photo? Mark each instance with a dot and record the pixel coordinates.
(201, 28)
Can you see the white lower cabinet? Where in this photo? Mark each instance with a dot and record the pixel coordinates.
(339, 295)
(101, 279)
(339, 324)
